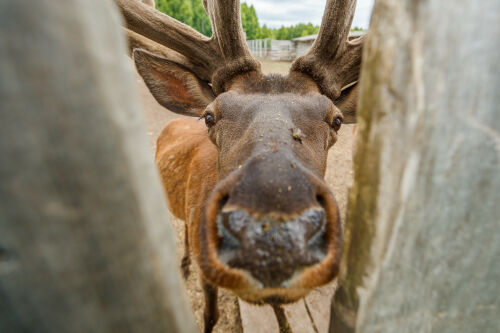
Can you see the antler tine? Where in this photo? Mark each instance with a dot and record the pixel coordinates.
(171, 33)
(334, 29)
(227, 29)
(136, 41)
(225, 16)
(333, 61)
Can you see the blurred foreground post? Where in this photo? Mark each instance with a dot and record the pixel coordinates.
(85, 241)
(423, 232)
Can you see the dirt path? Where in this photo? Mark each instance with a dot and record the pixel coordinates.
(261, 319)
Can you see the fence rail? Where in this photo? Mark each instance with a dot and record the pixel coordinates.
(286, 50)
(272, 49)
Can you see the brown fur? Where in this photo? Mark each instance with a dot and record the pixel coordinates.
(187, 162)
(184, 153)
(347, 103)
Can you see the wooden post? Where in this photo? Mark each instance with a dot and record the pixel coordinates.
(85, 241)
(423, 229)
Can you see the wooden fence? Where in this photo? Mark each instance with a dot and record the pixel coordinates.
(423, 228)
(286, 50)
(272, 49)
(85, 240)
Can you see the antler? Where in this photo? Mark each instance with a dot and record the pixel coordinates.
(136, 41)
(333, 61)
(215, 59)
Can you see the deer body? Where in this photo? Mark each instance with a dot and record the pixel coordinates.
(260, 219)
(187, 162)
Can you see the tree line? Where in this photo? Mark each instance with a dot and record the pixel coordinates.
(192, 13)
(254, 30)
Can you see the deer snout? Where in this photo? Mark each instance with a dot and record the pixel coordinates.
(271, 248)
(264, 243)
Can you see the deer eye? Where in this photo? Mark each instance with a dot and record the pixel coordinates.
(337, 122)
(209, 119)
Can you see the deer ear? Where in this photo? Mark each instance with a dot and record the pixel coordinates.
(173, 85)
(348, 103)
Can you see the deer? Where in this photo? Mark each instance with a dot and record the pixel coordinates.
(245, 170)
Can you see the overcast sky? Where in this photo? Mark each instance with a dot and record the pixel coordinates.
(276, 13)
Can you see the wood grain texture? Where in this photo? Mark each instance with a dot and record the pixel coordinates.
(85, 241)
(423, 240)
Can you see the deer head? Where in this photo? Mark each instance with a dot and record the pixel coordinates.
(271, 227)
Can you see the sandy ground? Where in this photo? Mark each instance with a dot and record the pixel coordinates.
(339, 177)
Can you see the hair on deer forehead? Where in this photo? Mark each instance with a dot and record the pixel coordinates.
(260, 219)
(273, 84)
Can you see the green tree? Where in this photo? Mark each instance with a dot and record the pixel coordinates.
(250, 22)
(294, 31)
(181, 10)
(192, 13)
(280, 33)
(201, 21)
(265, 32)
(309, 29)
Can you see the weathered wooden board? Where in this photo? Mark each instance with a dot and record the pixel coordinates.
(85, 241)
(313, 318)
(423, 228)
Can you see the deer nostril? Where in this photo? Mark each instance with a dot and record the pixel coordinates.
(321, 200)
(317, 242)
(223, 201)
(229, 243)
(272, 248)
